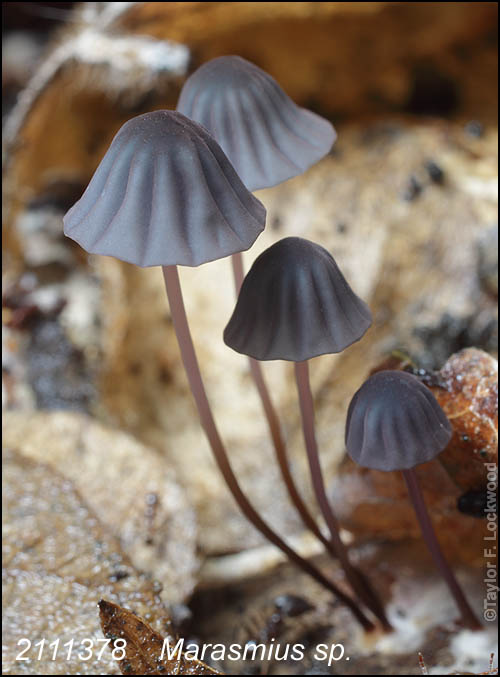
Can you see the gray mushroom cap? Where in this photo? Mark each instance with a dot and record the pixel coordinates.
(165, 194)
(295, 304)
(394, 422)
(267, 137)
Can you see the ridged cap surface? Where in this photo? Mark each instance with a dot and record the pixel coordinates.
(165, 194)
(295, 304)
(267, 137)
(394, 422)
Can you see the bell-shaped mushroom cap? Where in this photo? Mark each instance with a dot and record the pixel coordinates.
(267, 137)
(394, 422)
(165, 194)
(295, 304)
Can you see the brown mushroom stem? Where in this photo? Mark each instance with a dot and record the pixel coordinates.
(356, 578)
(275, 428)
(191, 366)
(468, 617)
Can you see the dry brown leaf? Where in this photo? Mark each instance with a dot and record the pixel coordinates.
(58, 562)
(132, 491)
(470, 400)
(144, 651)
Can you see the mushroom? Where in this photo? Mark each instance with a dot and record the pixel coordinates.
(394, 422)
(295, 304)
(268, 139)
(166, 195)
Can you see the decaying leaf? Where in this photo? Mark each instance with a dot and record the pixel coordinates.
(470, 399)
(58, 562)
(130, 489)
(145, 650)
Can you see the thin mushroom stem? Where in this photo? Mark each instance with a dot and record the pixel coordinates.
(468, 617)
(355, 577)
(191, 366)
(275, 428)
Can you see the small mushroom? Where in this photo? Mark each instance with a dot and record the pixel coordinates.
(394, 422)
(295, 304)
(165, 194)
(267, 137)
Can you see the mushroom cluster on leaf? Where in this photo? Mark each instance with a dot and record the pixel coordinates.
(165, 195)
(394, 422)
(174, 189)
(295, 304)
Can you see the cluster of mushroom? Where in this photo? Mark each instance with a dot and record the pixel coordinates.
(174, 189)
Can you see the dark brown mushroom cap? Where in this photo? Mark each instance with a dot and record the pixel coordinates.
(295, 304)
(165, 194)
(394, 422)
(267, 137)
